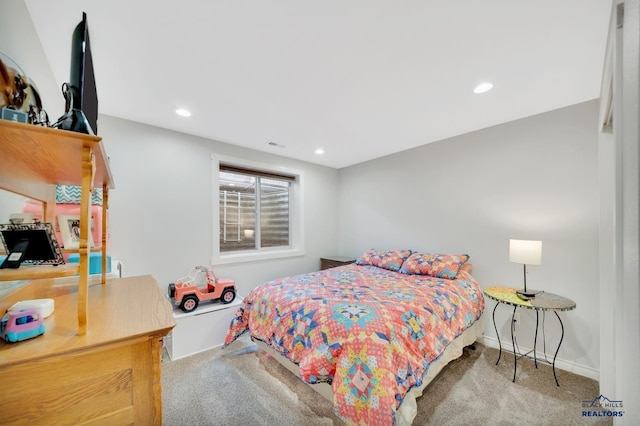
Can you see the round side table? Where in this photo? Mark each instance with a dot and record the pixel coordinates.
(543, 301)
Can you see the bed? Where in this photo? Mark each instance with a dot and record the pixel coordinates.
(371, 335)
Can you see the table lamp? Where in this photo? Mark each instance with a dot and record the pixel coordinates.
(528, 253)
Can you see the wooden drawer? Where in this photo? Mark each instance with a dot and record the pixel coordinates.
(104, 386)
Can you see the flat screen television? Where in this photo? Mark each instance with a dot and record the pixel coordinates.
(41, 245)
(82, 78)
(80, 92)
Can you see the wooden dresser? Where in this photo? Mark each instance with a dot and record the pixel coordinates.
(99, 359)
(110, 375)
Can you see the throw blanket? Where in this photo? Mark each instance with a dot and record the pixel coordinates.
(369, 332)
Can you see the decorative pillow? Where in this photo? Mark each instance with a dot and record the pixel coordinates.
(391, 260)
(435, 265)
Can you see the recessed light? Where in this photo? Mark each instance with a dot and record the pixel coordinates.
(319, 151)
(183, 112)
(483, 88)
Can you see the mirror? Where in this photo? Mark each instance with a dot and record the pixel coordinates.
(11, 203)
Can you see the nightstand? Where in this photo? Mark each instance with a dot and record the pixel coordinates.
(543, 301)
(333, 261)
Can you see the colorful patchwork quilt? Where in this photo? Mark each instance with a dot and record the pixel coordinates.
(369, 332)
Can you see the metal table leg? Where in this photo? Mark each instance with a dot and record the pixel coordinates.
(497, 334)
(535, 342)
(513, 342)
(557, 350)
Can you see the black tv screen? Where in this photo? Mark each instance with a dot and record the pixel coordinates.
(82, 79)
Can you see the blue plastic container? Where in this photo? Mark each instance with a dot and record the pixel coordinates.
(95, 262)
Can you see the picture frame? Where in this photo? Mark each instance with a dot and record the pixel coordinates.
(69, 225)
(42, 245)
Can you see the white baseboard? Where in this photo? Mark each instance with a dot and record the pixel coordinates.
(561, 364)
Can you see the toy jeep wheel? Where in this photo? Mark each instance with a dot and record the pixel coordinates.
(189, 303)
(172, 290)
(227, 296)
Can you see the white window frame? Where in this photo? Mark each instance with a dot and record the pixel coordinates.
(296, 214)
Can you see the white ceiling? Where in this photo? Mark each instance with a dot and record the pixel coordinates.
(359, 78)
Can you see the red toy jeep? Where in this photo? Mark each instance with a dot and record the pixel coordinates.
(187, 295)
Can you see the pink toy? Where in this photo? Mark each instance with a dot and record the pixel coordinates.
(187, 295)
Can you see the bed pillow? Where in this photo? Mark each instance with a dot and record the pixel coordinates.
(435, 265)
(391, 260)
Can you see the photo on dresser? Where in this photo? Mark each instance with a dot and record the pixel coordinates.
(70, 231)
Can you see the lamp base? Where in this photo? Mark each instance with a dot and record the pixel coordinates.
(527, 294)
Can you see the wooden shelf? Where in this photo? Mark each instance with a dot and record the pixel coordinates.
(71, 251)
(39, 272)
(35, 159)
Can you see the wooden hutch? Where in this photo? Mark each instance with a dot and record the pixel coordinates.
(99, 359)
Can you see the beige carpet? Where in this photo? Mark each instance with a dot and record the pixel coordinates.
(241, 385)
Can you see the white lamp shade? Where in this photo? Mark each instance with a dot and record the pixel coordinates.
(525, 251)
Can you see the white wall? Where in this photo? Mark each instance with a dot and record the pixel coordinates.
(535, 178)
(627, 345)
(620, 206)
(161, 211)
(19, 40)
(161, 214)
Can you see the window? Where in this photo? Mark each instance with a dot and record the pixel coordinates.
(258, 212)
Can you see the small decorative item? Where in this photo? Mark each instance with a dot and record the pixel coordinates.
(19, 97)
(70, 231)
(186, 294)
(14, 115)
(44, 307)
(21, 325)
(19, 218)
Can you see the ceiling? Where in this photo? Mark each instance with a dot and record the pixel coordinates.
(359, 78)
